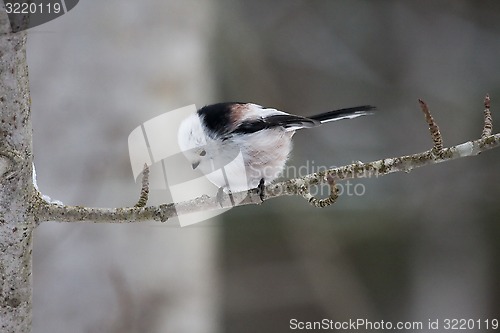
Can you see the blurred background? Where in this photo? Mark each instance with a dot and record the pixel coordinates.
(404, 247)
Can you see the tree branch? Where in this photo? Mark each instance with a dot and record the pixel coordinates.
(46, 211)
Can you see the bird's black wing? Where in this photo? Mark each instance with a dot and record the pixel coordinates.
(287, 121)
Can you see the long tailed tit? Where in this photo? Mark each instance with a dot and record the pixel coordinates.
(240, 146)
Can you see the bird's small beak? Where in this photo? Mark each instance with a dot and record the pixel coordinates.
(195, 164)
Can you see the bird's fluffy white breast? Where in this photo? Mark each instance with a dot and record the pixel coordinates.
(265, 154)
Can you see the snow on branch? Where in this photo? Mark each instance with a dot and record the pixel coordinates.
(46, 211)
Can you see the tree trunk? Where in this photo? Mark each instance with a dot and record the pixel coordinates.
(16, 187)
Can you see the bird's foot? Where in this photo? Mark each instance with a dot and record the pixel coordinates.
(261, 189)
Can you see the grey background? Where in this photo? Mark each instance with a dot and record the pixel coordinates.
(415, 246)
(97, 73)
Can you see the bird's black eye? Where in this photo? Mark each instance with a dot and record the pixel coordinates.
(203, 153)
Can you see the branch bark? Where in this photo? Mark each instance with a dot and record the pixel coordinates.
(46, 211)
(16, 187)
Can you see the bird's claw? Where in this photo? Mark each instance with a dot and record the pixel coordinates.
(261, 189)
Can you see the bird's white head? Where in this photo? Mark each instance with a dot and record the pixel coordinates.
(192, 140)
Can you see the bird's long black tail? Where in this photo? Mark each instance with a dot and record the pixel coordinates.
(347, 113)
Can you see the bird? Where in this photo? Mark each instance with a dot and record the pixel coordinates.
(242, 146)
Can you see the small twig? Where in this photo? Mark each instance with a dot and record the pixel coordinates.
(143, 198)
(320, 203)
(488, 122)
(433, 128)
